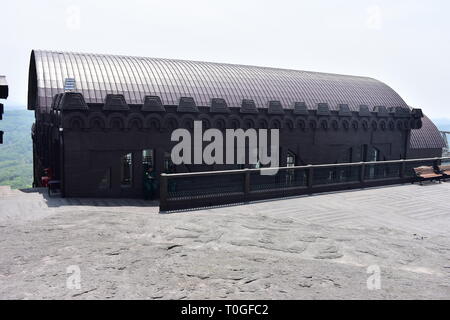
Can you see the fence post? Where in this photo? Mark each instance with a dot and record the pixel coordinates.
(310, 177)
(362, 172)
(246, 185)
(163, 192)
(436, 162)
(402, 169)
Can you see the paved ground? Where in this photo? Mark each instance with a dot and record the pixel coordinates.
(307, 247)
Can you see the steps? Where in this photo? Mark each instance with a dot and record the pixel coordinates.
(6, 191)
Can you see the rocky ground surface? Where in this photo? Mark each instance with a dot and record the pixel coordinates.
(315, 247)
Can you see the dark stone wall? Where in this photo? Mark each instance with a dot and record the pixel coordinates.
(80, 142)
(94, 140)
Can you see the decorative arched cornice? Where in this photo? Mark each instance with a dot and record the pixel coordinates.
(248, 122)
(170, 122)
(116, 120)
(97, 120)
(234, 122)
(71, 120)
(153, 122)
(220, 122)
(135, 121)
(187, 121)
(276, 122)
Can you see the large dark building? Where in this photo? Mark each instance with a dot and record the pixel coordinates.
(101, 120)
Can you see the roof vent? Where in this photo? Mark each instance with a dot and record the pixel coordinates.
(70, 85)
(115, 102)
(275, 107)
(248, 106)
(344, 110)
(364, 111)
(219, 105)
(300, 108)
(72, 101)
(323, 109)
(153, 104)
(187, 104)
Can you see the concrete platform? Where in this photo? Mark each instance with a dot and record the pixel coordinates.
(312, 247)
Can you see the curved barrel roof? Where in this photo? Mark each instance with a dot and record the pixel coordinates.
(96, 75)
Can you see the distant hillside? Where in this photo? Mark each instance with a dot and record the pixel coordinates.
(16, 153)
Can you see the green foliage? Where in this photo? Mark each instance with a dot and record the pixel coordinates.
(16, 152)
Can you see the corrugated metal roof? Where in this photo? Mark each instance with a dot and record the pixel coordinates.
(427, 137)
(97, 75)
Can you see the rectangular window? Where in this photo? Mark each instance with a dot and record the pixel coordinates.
(148, 159)
(126, 170)
(290, 174)
(290, 161)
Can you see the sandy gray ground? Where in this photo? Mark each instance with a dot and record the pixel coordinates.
(308, 247)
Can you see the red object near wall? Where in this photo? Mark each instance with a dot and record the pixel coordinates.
(48, 176)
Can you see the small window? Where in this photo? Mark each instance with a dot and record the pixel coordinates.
(290, 160)
(148, 159)
(374, 155)
(126, 172)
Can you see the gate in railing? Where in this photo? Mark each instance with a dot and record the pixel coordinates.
(205, 189)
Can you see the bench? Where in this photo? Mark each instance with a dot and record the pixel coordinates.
(445, 171)
(427, 173)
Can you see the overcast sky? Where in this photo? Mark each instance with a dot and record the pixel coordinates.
(404, 43)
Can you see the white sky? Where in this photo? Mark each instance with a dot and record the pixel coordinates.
(404, 43)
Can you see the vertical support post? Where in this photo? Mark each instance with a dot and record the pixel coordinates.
(163, 192)
(402, 169)
(310, 178)
(436, 163)
(362, 172)
(246, 185)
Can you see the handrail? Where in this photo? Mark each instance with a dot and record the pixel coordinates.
(310, 185)
(349, 164)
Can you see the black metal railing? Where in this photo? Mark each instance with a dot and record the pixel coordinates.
(212, 188)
